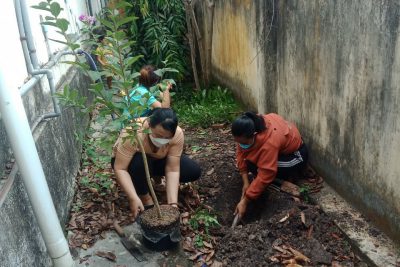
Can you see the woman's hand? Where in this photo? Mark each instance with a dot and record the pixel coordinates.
(136, 206)
(169, 86)
(241, 207)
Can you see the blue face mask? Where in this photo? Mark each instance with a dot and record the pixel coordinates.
(246, 146)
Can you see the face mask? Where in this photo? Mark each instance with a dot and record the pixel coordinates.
(246, 146)
(159, 142)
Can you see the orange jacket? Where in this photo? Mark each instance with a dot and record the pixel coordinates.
(280, 137)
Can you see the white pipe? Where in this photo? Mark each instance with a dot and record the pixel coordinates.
(26, 155)
(26, 37)
(27, 158)
(28, 34)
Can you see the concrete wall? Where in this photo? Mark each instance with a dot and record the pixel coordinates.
(20, 240)
(21, 243)
(240, 54)
(336, 76)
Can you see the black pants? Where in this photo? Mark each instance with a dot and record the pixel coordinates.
(189, 171)
(289, 166)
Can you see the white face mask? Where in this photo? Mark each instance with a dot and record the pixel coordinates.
(159, 142)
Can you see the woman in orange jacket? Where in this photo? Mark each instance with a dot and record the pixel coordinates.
(269, 147)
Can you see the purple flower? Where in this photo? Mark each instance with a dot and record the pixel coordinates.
(91, 20)
(87, 19)
(83, 18)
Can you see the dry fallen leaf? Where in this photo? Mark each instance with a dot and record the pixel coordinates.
(303, 218)
(290, 261)
(284, 218)
(309, 232)
(218, 126)
(210, 171)
(299, 256)
(280, 249)
(195, 256)
(207, 244)
(107, 255)
(87, 206)
(274, 259)
(209, 256)
(188, 247)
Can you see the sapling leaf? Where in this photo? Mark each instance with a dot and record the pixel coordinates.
(50, 23)
(55, 9)
(62, 24)
(42, 6)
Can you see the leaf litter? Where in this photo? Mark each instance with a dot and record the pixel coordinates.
(278, 229)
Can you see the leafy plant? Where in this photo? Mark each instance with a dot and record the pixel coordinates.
(159, 33)
(198, 241)
(305, 192)
(206, 107)
(120, 62)
(201, 223)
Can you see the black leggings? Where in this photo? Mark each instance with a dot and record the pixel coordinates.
(189, 171)
(289, 166)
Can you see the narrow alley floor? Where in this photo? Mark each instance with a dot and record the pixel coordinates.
(318, 229)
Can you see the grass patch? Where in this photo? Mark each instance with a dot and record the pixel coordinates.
(206, 107)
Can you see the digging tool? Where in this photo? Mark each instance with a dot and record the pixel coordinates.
(235, 221)
(131, 246)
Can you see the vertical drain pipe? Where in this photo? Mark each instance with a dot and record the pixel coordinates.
(27, 43)
(26, 155)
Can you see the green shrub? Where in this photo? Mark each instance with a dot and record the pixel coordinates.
(206, 107)
(159, 34)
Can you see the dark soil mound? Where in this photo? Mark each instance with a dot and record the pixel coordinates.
(278, 229)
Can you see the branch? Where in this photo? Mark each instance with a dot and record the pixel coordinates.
(146, 168)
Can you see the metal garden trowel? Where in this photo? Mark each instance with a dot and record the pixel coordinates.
(130, 245)
(236, 220)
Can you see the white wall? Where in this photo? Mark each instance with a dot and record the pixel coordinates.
(10, 36)
(10, 42)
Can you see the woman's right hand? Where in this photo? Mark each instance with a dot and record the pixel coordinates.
(169, 86)
(136, 206)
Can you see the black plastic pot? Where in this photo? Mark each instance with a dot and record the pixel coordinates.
(163, 239)
(163, 244)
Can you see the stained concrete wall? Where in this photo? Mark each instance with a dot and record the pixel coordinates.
(21, 242)
(332, 67)
(240, 54)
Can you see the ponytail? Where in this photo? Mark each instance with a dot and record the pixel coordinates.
(248, 124)
(148, 77)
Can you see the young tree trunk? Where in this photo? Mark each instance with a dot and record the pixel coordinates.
(210, 16)
(191, 43)
(146, 168)
(199, 40)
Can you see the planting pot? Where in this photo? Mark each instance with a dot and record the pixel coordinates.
(160, 233)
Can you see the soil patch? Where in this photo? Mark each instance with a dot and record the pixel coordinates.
(278, 229)
(150, 220)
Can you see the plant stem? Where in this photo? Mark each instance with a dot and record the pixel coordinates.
(146, 168)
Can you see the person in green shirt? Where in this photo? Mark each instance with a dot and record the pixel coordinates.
(141, 92)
